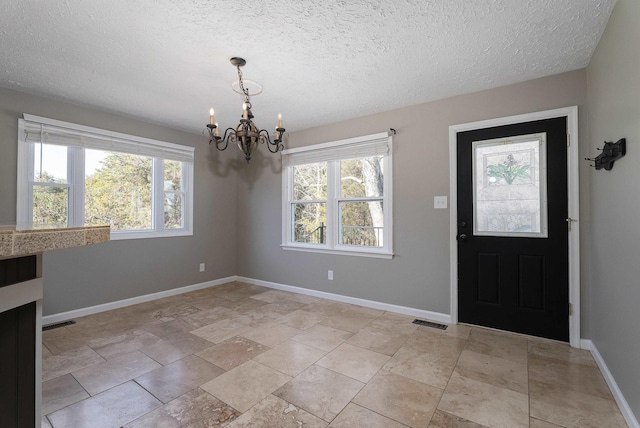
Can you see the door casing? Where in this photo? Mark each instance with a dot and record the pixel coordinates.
(573, 205)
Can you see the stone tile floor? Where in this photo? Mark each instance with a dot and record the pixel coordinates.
(240, 355)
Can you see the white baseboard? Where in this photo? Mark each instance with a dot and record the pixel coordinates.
(76, 313)
(420, 313)
(626, 411)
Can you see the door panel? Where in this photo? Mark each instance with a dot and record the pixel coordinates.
(513, 239)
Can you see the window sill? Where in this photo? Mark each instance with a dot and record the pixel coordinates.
(357, 253)
(121, 236)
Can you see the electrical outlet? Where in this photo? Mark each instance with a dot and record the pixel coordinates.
(440, 202)
(201, 267)
(330, 275)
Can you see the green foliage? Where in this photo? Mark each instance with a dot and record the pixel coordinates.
(119, 193)
(509, 170)
(49, 203)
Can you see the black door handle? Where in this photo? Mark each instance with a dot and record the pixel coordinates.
(463, 237)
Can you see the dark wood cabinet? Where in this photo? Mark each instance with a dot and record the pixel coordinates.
(18, 349)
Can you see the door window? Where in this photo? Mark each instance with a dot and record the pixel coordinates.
(509, 185)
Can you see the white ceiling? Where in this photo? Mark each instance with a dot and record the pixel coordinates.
(319, 61)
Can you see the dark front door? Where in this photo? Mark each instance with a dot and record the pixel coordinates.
(513, 263)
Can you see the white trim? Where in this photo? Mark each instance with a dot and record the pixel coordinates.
(15, 295)
(573, 205)
(324, 250)
(337, 143)
(626, 411)
(76, 313)
(405, 310)
(104, 132)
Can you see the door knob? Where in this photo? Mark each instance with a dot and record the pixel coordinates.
(463, 237)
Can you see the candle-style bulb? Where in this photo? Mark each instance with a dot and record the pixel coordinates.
(211, 121)
(279, 120)
(217, 132)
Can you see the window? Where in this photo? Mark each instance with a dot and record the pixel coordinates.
(73, 175)
(337, 197)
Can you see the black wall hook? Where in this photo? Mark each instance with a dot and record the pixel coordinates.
(611, 152)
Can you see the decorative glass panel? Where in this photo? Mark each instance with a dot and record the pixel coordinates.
(509, 183)
(309, 222)
(50, 205)
(310, 182)
(362, 178)
(362, 223)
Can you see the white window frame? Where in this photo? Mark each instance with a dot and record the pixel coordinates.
(75, 177)
(333, 153)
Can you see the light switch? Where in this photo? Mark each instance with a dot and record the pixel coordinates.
(440, 202)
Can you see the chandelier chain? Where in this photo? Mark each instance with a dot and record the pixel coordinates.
(245, 91)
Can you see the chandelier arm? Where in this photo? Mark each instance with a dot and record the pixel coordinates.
(276, 144)
(224, 139)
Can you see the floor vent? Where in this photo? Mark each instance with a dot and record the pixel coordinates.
(430, 324)
(57, 325)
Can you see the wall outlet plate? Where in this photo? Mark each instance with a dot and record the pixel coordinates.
(201, 267)
(330, 275)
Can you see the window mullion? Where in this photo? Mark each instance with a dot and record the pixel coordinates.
(157, 195)
(332, 205)
(75, 177)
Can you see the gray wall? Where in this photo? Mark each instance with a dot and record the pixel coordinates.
(418, 275)
(613, 82)
(87, 276)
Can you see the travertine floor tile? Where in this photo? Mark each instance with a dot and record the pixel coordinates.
(537, 423)
(377, 341)
(57, 365)
(560, 351)
(168, 351)
(61, 340)
(222, 330)
(394, 324)
(442, 419)
(432, 366)
(358, 363)
(400, 398)
(232, 352)
(497, 344)
(319, 391)
(171, 381)
(494, 371)
(492, 379)
(194, 409)
(347, 321)
(302, 319)
(354, 416)
(120, 344)
(322, 337)
(246, 385)
(271, 334)
(115, 371)
(569, 408)
(577, 377)
(275, 412)
(290, 357)
(485, 404)
(61, 392)
(112, 408)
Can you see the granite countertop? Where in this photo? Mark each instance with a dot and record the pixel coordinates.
(16, 241)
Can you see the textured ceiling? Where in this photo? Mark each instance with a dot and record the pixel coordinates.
(319, 61)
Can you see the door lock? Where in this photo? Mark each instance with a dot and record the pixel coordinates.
(463, 237)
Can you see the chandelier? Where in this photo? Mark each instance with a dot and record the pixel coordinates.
(246, 135)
